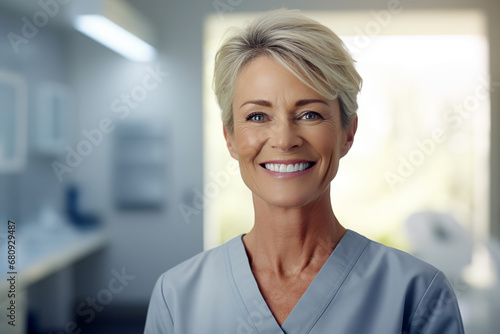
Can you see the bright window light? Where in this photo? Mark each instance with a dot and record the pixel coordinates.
(412, 84)
(115, 37)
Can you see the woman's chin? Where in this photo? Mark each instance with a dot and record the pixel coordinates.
(287, 200)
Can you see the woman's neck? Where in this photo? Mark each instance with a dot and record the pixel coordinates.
(287, 241)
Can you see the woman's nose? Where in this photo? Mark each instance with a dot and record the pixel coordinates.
(284, 136)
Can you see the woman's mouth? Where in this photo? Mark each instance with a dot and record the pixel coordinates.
(288, 168)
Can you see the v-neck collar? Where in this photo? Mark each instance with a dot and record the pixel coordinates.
(313, 302)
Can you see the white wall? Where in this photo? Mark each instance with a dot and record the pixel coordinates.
(23, 194)
(145, 243)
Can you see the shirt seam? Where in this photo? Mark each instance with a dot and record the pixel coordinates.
(421, 302)
(229, 272)
(347, 273)
(164, 300)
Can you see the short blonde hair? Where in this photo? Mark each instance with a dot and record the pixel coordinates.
(311, 51)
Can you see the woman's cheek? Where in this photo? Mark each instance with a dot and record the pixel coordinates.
(250, 141)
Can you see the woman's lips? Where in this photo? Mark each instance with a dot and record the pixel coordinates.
(287, 169)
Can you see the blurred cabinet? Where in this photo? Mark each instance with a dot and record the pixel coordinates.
(13, 121)
(139, 166)
(52, 118)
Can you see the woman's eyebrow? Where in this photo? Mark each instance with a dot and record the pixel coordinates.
(263, 103)
(299, 103)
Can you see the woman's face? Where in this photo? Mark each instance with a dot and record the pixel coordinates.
(287, 138)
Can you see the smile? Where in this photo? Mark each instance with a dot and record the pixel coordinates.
(288, 168)
(283, 168)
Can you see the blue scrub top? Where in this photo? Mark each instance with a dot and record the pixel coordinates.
(363, 288)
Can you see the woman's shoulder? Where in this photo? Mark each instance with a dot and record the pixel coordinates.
(416, 288)
(199, 267)
(391, 261)
(400, 272)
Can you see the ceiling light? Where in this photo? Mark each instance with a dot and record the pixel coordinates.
(111, 35)
(116, 25)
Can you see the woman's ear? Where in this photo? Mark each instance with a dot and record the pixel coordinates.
(230, 142)
(350, 131)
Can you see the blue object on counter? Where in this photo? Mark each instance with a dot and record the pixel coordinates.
(79, 219)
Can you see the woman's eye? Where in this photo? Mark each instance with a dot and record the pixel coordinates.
(311, 115)
(256, 117)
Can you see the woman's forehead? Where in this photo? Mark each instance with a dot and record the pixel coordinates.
(266, 80)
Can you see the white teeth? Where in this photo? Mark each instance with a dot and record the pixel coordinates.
(283, 168)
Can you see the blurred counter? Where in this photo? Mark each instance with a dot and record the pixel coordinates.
(40, 253)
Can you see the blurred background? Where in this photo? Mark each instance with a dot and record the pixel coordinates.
(113, 166)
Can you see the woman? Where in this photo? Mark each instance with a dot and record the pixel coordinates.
(287, 89)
